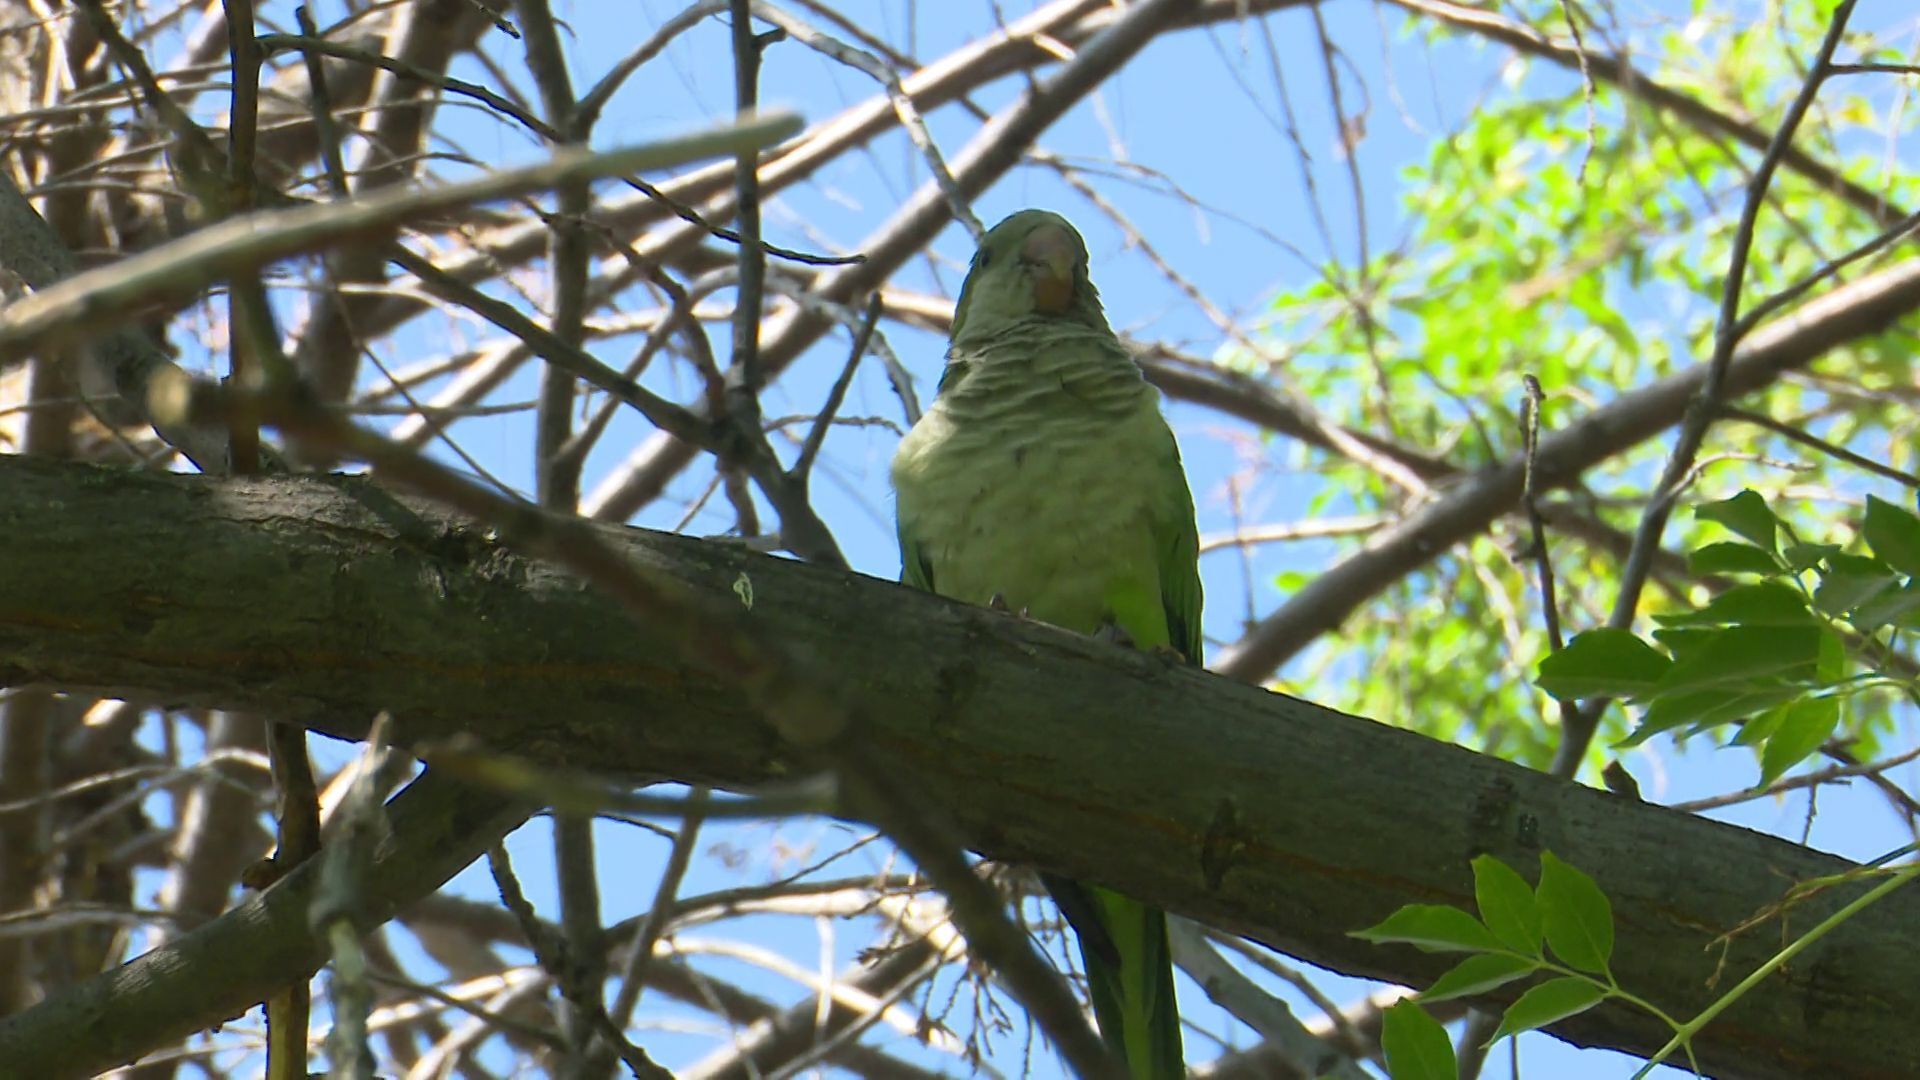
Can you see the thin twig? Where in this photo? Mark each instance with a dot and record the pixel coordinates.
(743, 446)
(662, 413)
(1529, 497)
(297, 808)
(746, 185)
(339, 903)
(837, 394)
(679, 313)
(1318, 528)
(312, 46)
(1876, 68)
(634, 980)
(1897, 231)
(550, 950)
(1815, 778)
(320, 101)
(1815, 442)
(1586, 86)
(916, 128)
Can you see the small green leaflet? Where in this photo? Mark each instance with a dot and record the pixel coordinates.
(1578, 917)
(1602, 663)
(1770, 603)
(1746, 514)
(1894, 535)
(1477, 975)
(1893, 606)
(1555, 999)
(1433, 928)
(1803, 556)
(1700, 709)
(1416, 1046)
(1802, 728)
(1733, 557)
(1851, 582)
(1738, 657)
(1506, 905)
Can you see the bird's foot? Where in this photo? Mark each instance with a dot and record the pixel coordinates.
(998, 602)
(1114, 634)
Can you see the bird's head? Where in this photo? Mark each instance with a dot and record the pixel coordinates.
(1031, 265)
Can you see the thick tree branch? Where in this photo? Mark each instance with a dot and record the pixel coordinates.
(325, 601)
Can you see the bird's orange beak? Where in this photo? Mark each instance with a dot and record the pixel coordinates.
(1050, 251)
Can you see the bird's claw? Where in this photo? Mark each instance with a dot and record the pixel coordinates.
(1115, 634)
(998, 602)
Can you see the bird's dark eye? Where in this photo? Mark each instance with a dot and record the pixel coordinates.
(983, 258)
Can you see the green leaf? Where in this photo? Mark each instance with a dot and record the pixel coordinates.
(1579, 920)
(1831, 665)
(1893, 534)
(1765, 603)
(1807, 556)
(1602, 663)
(1733, 557)
(1890, 606)
(1506, 904)
(1738, 657)
(1851, 581)
(1705, 708)
(1416, 1046)
(1477, 975)
(1746, 514)
(1802, 728)
(1758, 729)
(1553, 1000)
(1433, 928)
(1684, 643)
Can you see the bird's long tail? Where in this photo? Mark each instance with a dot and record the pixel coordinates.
(1123, 946)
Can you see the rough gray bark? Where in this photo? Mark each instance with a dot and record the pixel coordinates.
(324, 601)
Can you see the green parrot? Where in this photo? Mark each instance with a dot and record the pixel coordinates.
(1043, 479)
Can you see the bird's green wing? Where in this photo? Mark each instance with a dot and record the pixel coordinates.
(1177, 539)
(914, 569)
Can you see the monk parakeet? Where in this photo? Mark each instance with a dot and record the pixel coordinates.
(1043, 478)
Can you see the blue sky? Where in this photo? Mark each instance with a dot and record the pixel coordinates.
(1201, 106)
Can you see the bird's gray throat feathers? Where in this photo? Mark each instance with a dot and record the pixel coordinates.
(1035, 364)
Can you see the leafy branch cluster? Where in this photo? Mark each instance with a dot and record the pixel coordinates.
(1517, 923)
(1810, 631)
